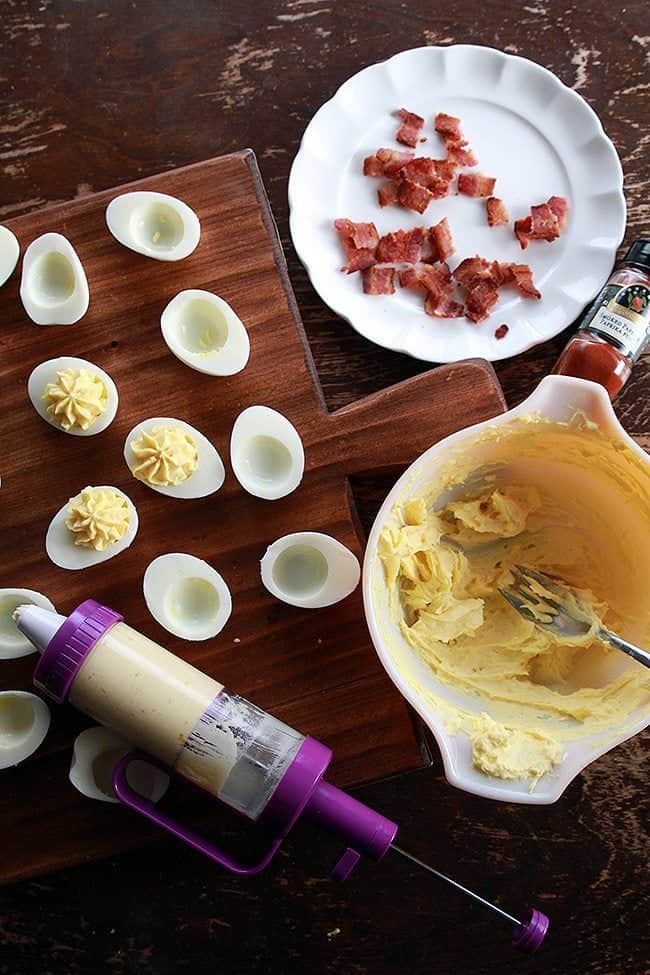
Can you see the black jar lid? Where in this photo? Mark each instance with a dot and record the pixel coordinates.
(639, 254)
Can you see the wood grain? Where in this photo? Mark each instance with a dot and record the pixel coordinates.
(318, 666)
(95, 94)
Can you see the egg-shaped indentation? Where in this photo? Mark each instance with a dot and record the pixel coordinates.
(204, 332)
(24, 723)
(310, 570)
(174, 458)
(91, 527)
(154, 224)
(187, 596)
(53, 286)
(95, 754)
(266, 453)
(73, 395)
(12, 642)
(9, 253)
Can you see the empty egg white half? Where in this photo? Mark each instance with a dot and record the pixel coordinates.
(95, 754)
(266, 453)
(310, 570)
(203, 331)
(154, 224)
(53, 286)
(12, 642)
(60, 546)
(47, 372)
(209, 474)
(24, 723)
(187, 596)
(9, 253)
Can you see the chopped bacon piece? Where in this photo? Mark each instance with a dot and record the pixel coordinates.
(401, 245)
(446, 168)
(373, 166)
(522, 277)
(560, 207)
(523, 230)
(387, 193)
(448, 125)
(378, 280)
(545, 222)
(421, 170)
(480, 299)
(392, 160)
(409, 131)
(359, 242)
(442, 306)
(501, 331)
(459, 153)
(476, 184)
(497, 212)
(412, 196)
(503, 274)
(474, 267)
(441, 241)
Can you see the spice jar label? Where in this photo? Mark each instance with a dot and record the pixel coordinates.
(621, 313)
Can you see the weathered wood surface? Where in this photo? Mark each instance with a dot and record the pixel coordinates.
(97, 93)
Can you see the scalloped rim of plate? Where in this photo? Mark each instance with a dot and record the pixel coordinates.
(498, 351)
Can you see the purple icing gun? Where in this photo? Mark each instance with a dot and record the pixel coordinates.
(188, 724)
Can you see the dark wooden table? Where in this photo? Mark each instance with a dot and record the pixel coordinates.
(93, 94)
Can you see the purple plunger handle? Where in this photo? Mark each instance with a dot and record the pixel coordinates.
(150, 811)
(530, 934)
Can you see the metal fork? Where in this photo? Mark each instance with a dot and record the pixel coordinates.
(557, 614)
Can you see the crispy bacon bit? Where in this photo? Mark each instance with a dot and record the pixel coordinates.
(359, 242)
(412, 196)
(401, 245)
(473, 267)
(523, 229)
(545, 222)
(409, 131)
(387, 193)
(386, 162)
(446, 168)
(378, 280)
(560, 207)
(442, 306)
(497, 213)
(476, 184)
(480, 298)
(501, 331)
(448, 125)
(459, 153)
(441, 241)
(522, 276)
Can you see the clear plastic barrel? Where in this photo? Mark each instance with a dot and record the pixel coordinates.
(239, 753)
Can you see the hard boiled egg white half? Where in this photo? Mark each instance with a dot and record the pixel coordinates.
(310, 570)
(203, 331)
(187, 596)
(12, 642)
(47, 372)
(24, 723)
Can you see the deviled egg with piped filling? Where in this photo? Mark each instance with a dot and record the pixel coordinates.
(92, 527)
(187, 596)
(172, 457)
(73, 395)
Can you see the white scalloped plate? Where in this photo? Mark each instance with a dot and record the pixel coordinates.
(534, 134)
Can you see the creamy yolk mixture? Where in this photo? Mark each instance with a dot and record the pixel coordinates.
(165, 456)
(444, 566)
(98, 518)
(77, 398)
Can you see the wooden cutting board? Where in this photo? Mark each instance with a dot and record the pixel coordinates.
(316, 670)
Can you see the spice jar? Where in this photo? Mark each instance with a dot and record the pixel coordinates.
(615, 329)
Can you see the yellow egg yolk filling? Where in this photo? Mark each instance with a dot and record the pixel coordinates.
(444, 566)
(76, 399)
(98, 518)
(166, 456)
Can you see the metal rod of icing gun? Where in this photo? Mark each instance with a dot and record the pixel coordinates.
(454, 883)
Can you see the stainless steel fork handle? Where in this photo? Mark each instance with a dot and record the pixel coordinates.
(636, 653)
